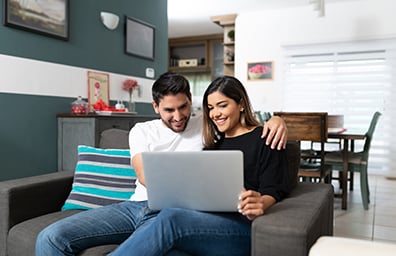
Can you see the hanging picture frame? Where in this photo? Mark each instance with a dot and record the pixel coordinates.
(46, 17)
(98, 88)
(139, 38)
(260, 70)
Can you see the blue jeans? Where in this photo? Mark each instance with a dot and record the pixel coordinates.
(111, 224)
(193, 232)
(141, 231)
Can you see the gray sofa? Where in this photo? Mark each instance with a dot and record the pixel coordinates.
(290, 227)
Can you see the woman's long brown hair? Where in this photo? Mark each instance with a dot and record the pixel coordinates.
(233, 89)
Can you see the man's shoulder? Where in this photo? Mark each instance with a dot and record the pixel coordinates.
(149, 123)
(146, 126)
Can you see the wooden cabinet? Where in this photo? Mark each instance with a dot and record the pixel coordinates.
(85, 130)
(228, 24)
(195, 54)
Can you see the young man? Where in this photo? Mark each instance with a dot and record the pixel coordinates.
(176, 130)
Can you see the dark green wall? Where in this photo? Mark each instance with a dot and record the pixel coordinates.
(90, 44)
(28, 125)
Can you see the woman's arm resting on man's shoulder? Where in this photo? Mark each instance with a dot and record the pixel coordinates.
(276, 130)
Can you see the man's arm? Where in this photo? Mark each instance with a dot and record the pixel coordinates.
(137, 164)
(276, 130)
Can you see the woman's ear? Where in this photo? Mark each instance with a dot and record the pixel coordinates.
(241, 106)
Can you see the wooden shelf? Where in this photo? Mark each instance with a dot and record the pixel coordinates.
(227, 22)
(197, 69)
(200, 48)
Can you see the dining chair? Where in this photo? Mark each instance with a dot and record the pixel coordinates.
(334, 123)
(358, 162)
(310, 127)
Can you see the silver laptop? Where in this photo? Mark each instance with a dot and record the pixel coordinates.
(200, 180)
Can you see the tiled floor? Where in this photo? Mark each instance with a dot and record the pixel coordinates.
(379, 222)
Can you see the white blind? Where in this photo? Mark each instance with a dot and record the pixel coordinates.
(354, 79)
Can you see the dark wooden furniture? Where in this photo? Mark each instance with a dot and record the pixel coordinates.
(312, 127)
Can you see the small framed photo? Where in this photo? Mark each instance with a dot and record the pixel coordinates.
(260, 70)
(47, 17)
(98, 88)
(139, 38)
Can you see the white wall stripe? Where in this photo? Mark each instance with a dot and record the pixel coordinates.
(33, 77)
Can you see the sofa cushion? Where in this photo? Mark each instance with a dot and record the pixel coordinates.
(102, 177)
(114, 138)
(21, 238)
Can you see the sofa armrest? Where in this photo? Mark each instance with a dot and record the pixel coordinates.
(26, 198)
(291, 227)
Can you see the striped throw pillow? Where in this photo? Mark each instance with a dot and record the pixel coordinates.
(102, 177)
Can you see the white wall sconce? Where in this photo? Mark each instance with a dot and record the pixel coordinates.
(110, 20)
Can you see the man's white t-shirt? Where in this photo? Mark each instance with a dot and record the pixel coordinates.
(155, 136)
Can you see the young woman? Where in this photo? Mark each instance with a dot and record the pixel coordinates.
(229, 124)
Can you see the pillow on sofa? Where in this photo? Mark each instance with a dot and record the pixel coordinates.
(102, 177)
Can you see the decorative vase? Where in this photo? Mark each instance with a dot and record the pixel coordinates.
(131, 103)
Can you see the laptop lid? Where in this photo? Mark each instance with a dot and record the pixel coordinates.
(200, 180)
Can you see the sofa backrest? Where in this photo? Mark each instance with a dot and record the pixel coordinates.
(114, 138)
(293, 153)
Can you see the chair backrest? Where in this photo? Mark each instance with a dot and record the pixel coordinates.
(305, 126)
(335, 121)
(308, 126)
(369, 134)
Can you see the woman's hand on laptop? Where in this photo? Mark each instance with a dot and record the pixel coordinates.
(252, 204)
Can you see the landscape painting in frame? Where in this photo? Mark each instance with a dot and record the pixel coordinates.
(260, 70)
(47, 17)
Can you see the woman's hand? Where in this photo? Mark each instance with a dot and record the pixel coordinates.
(277, 132)
(252, 204)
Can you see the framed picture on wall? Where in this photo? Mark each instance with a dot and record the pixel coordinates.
(139, 38)
(98, 88)
(260, 70)
(47, 17)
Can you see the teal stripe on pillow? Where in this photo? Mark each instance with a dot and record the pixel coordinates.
(102, 177)
(112, 152)
(102, 169)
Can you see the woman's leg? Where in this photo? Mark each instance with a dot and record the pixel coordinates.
(194, 232)
(110, 224)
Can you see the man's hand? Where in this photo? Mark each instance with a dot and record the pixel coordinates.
(276, 130)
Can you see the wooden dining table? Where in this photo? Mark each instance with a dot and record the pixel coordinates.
(348, 137)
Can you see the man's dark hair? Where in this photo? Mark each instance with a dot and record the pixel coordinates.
(170, 83)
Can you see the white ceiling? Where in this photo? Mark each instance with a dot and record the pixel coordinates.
(192, 17)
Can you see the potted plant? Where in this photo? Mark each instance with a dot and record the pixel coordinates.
(231, 35)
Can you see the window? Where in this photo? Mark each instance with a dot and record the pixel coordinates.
(354, 79)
